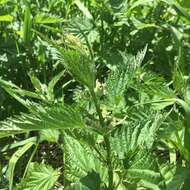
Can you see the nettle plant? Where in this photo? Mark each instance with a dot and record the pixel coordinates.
(108, 136)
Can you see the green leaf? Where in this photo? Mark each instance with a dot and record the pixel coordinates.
(77, 186)
(9, 131)
(140, 25)
(42, 117)
(185, 4)
(15, 90)
(12, 162)
(187, 91)
(121, 78)
(36, 83)
(81, 161)
(84, 10)
(168, 171)
(18, 144)
(181, 179)
(79, 65)
(53, 82)
(178, 79)
(145, 170)
(50, 135)
(27, 25)
(6, 18)
(140, 3)
(92, 181)
(76, 61)
(179, 9)
(18, 93)
(39, 177)
(3, 2)
(47, 19)
(135, 134)
(162, 94)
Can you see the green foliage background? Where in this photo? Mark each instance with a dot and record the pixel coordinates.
(94, 94)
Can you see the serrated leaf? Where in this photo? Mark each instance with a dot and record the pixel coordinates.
(144, 167)
(39, 177)
(121, 78)
(132, 135)
(54, 117)
(79, 65)
(81, 160)
(50, 135)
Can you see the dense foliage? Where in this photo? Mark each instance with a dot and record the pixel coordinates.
(94, 94)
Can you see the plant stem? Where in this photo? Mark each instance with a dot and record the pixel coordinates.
(106, 140)
(31, 157)
(97, 108)
(63, 153)
(110, 169)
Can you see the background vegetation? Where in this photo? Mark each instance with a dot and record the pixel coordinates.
(94, 94)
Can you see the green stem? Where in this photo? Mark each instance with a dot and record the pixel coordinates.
(102, 124)
(102, 35)
(106, 140)
(109, 163)
(63, 159)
